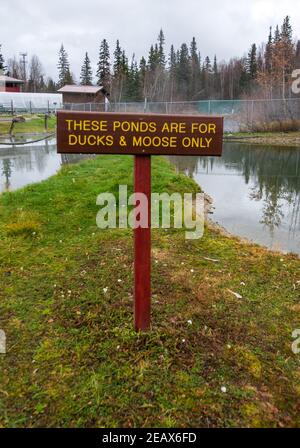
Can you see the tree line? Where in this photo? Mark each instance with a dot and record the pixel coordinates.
(179, 75)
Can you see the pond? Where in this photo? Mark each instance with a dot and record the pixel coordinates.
(255, 191)
(26, 164)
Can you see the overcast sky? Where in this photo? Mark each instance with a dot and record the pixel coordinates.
(224, 27)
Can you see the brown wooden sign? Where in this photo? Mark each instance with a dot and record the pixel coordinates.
(139, 134)
(142, 135)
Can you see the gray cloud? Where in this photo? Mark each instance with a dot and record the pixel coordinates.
(223, 27)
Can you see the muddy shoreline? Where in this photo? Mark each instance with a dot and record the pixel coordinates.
(289, 140)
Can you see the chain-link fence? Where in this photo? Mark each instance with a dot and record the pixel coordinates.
(239, 114)
(277, 114)
(32, 103)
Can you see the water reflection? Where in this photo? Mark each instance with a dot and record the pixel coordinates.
(23, 165)
(256, 191)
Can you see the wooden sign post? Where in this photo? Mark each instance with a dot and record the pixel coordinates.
(141, 135)
(142, 248)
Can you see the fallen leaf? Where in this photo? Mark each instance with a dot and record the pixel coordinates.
(211, 259)
(237, 295)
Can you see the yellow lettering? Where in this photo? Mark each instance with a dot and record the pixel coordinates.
(152, 127)
(95, 125)
(91, 140)
(69, 122)
(117, 125)
(77, 125)
(137, 141)
(208, 141)
(72, 139)
(103, 126)
(204, 128)
(165, 128)
(186, 142)
(109, 140)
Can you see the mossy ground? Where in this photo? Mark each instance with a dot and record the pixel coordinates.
(66, 305)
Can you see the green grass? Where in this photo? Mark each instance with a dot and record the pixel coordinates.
(35, 124)
(73, 358)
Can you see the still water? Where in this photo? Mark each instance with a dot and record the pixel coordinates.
(23, 165)
(255, 189)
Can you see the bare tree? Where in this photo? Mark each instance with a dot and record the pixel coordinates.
(14, 68)
(36, 74)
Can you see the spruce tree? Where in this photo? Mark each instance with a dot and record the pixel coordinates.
(161, 51)
(208, 65)
(216, 78)
(142, 76)
(207, 77)
(143, 66)
(117, 65)
(172, 61)
(172, 69)
(64, 74)
(133, 82)
(153, 58)
(244, 77)
(269, 52)
(195, 70)
(2, 63)
(184, 72)
(119, 78)
(215, 66)
(297, 55)
(287, 43)
(86, 75)
(124, 63)
(277, 35)
(252, 62)
(286, 30)
(50, 86)
(103, 71)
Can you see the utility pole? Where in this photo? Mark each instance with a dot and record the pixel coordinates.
(23, 64)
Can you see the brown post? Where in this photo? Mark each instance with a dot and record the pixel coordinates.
(46, 122)
(142, 248)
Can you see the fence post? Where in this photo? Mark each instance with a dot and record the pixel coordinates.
(30, 107)
(48, 107)
(46, 122)
(12, 106)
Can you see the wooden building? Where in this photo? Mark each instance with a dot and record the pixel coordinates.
(83, 94)
(8, 84)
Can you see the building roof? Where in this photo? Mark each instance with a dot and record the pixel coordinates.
(80, 89)
(4, 78)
